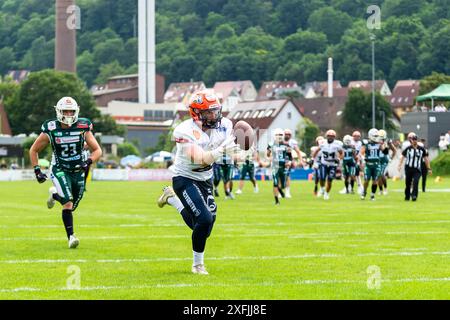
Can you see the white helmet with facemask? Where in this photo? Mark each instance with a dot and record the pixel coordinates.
(67, 104)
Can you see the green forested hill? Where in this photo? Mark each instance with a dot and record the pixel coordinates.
(258, 40)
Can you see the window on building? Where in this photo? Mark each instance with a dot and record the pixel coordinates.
(159, 115)
(255, 114)
(289, 115)
(168, 114)
(269, 112)
(148, 115)
(237, 115)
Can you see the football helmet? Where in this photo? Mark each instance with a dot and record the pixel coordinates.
(67, 104)
(278, 135)
(356, 135)
(331, 133)
(373, 135)
(347, 140)
(382, 134)
(206, 107)
(318, 138)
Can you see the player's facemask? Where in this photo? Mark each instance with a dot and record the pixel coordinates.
(330, 140)
(210, 118)
(67, 119)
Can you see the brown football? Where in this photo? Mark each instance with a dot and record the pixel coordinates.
(244, 134)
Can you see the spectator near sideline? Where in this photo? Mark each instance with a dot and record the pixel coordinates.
(443, 144)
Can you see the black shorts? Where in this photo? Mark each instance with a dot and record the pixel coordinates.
(197, 198)
(327, 172)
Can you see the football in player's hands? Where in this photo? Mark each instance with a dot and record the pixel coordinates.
(244, 135)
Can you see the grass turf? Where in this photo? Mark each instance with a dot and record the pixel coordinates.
(306, 248)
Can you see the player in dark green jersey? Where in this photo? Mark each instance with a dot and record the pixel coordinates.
(349, 164)
(67, 135)
(370, 152)
(248, 168)
(281, 162)
(384, 160)
(227, 171)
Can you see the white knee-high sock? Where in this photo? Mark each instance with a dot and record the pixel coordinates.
(176, 203)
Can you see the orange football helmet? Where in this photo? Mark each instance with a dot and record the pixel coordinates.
(205, 107)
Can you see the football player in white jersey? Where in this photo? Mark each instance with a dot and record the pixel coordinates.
(357, 143)
(332, 152)
(201, 141)
(316, 161)
(293, 144)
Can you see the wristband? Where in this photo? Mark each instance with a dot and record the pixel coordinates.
(37, 169)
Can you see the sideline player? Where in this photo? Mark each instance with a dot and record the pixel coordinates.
(201, 141)
(281, 162)
(332, 152)
(67, 135)
(293, 145)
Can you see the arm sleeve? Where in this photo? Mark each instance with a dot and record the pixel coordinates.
(180, 136)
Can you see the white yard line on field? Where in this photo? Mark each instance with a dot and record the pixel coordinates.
(332, 235)
(140, 225)
(234, 285)
(162, 259)
(428, 190)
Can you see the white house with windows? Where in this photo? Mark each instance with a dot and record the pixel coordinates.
(265, 116)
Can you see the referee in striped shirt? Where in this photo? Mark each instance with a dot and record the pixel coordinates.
(414, 155)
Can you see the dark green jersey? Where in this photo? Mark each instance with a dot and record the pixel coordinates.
(372, 155)
(349, 152)
(384, 155)
(67, 143)
(279, 155)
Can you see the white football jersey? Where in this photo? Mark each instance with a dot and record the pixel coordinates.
(316, 160)
(330, 153)
(357, 145)
(188, 132)
(292, 143)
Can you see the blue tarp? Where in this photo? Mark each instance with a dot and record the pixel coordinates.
(296, 174)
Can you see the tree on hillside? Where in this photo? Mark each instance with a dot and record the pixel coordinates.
(358, 111)
(433, 81)
(33, 103)
(109, 70)
(330, 21)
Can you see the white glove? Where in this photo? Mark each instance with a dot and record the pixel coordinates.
(228, 147)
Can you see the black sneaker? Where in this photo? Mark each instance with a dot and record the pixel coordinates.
(406, 199)
(414, 198)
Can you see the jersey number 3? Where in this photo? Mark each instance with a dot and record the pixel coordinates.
(69, 150)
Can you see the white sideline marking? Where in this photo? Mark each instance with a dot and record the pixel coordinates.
(181, 285)
(249, 235)
(138, 225)
(427, 190)
(162, 259)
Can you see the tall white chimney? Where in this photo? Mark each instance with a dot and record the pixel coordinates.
(146, 47)
(330, 77)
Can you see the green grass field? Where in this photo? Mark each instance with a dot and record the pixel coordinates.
(304, 249)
